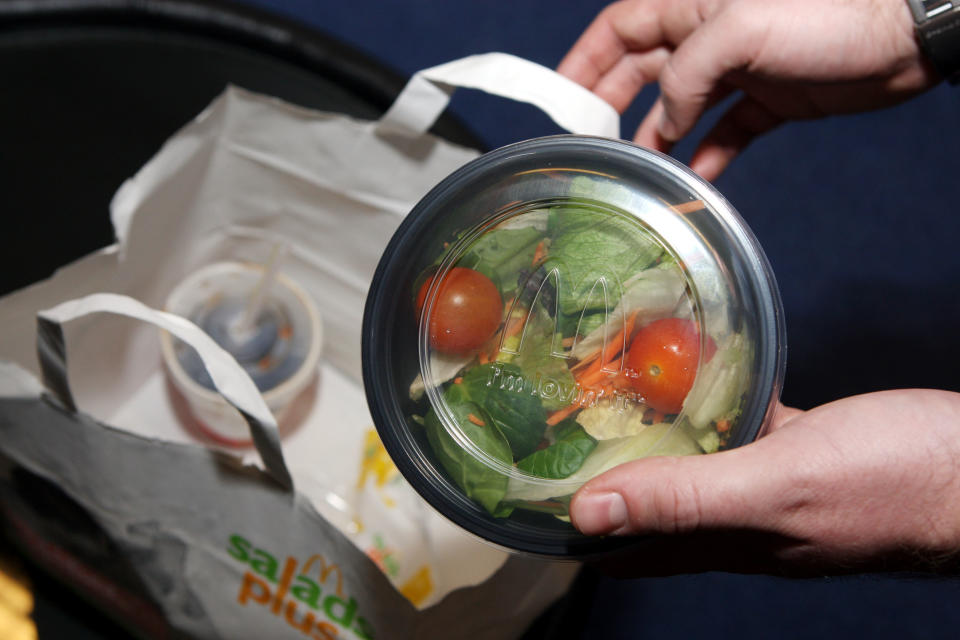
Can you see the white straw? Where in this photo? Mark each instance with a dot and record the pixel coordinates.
(258, 296)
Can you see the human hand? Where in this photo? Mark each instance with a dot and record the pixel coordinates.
(792, 59)
(870, 482)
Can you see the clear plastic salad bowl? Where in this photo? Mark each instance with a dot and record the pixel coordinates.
(556, 308)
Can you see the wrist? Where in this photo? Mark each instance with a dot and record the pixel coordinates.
(937, 28)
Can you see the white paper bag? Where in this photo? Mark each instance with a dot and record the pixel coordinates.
(312, 534)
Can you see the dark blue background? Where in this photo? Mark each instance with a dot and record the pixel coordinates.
(856, 213)
(858, 218)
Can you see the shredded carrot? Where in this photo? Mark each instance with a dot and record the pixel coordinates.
(597, 386)
(609, 354)
(475, 420)
(631, 322)
(595, 365)
(591, 377)
(538, 253)
(458, 380)
(723, 426)
(558, 416)
(513, 328)
(585, 361)
(604, 356)
(508, 205)
(688, 207)
(622, 337)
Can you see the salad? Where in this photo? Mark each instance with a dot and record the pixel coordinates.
(560, 342)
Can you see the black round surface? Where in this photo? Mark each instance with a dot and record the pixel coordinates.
(91, 90)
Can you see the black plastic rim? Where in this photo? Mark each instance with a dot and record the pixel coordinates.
(260, 31)
(380, 329)
(122, 76)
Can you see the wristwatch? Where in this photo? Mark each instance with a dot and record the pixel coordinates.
(938, 30)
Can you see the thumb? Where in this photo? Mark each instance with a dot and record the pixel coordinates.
(737, 489)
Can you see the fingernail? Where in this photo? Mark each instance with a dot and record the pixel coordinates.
(667, 129)
(600, 513)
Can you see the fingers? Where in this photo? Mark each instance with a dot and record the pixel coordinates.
(691, 76)
(633, 43)
(626, 45)
(631, 73)
(739, 489)
(745, 120)
(595, 52)
(736, 129)
(648, 133)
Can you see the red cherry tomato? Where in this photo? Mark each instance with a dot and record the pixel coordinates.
(662, 362)
(466, 313)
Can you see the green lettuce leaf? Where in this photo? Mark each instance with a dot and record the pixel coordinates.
(720, 385)
(590, 247)
(501, 254)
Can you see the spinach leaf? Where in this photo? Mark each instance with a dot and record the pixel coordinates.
(478, 481)
(510, 399)
(563, 457)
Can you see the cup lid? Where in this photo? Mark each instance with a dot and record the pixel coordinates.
(553, 309)
(278, 345)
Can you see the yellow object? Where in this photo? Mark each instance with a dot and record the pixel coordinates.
(376, 462)
(419, 587)
(16, 603)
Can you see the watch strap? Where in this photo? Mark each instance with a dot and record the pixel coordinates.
(938, 31)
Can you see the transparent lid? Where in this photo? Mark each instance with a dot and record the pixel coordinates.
(272, 336)
(577, 303)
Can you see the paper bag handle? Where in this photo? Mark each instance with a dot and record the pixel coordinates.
(228, 377)
(570, 105)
